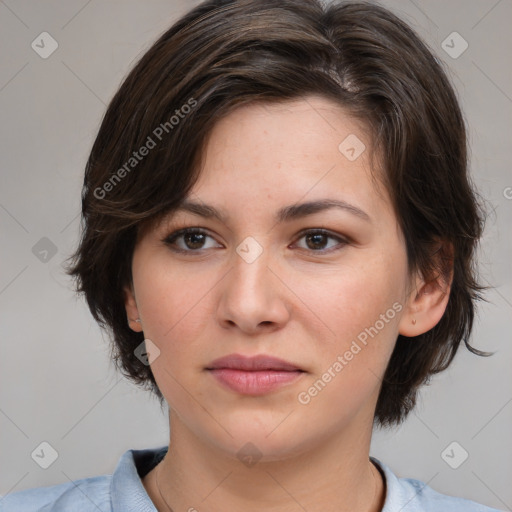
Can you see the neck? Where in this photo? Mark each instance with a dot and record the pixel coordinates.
(332, 477)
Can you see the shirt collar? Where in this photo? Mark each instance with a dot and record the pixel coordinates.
(126, 489)
(397, 496)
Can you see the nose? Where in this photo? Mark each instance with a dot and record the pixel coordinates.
(253, 296)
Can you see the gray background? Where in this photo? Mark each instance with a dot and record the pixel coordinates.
(57, 384)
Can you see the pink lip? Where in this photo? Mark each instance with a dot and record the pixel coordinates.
(253, 375)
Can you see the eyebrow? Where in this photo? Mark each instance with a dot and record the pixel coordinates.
(287, 213)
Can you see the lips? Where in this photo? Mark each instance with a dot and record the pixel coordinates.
(256, 375)
(255, 363)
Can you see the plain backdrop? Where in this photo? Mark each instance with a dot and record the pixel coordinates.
(57, 383)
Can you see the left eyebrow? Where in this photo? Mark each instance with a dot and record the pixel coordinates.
(296, 211)
(285, 214)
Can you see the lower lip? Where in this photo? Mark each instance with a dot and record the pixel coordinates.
(254, 382)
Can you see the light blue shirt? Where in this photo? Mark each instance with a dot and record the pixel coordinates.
(123, 492)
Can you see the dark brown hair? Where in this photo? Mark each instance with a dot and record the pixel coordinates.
(224, 54)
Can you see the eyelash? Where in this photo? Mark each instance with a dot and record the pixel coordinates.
(170, 239)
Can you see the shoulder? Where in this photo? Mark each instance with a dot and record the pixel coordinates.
(81, 495)
(122, 491)
(424, 498)
(410, 495)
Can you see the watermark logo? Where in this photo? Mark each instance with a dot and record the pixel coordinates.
(249, 250)
(454, 455)
(44, 455)
(454, 45)
(44, 45)
(249, 454)
(146, 352)
(44, 250)
(352, 147)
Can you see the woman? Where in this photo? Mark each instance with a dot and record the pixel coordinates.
(279, 232)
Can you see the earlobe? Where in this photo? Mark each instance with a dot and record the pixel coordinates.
(425, 308)
(132, 311)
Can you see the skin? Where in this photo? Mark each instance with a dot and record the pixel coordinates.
(301, 300)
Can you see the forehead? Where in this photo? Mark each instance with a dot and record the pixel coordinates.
(303, 126)
(302, 146)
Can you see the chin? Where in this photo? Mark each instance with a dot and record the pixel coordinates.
(266, 441)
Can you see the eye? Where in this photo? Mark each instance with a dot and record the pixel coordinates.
(195, 240)
(188, 240)
(317, 240)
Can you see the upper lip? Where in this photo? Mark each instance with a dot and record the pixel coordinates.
(254, 363)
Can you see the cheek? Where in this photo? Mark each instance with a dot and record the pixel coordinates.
(352, 297)
(363, 310)
(361, 305)
(172, 303)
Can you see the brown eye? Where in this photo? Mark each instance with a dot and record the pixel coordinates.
(317, 240)
(189, 240)
(194, 240)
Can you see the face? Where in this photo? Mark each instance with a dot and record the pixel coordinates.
(322, 288)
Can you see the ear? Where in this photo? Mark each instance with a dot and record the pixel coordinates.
(132, 311)
(429, 297)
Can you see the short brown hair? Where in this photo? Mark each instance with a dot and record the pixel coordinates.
(223, 54)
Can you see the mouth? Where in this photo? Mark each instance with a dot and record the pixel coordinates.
(256, 375)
